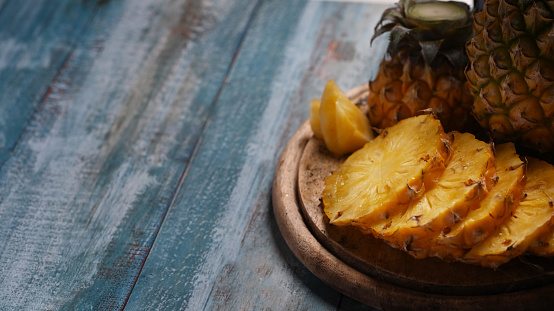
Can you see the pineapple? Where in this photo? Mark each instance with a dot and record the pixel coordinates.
(386, 174)
(511, 71)
(531, 219)
(468, 177)
(315, 121)
(495, 208)
(424, 67)
(544, 245)
(336, 120)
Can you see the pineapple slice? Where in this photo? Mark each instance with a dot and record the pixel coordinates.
(344, 127)
(386, 174)
(495, 208)
(544, 245)
(531, 219)
(468, 177)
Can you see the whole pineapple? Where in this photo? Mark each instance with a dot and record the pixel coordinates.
(424, 66)
(511, 71)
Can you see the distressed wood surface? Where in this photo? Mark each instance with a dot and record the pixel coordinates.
(229, 252)
(138, 141)
(37, 39)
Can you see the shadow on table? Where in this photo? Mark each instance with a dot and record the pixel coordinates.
(322, 291)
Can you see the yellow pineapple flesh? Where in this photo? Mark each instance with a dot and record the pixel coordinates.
(543, 245)
(468, 177)
(531, 219)
(386, 174)
(344, 127)
(315, 122)
(494, 209)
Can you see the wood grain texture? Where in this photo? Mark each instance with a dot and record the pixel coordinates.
(110, 108)
(87, 181)
(218, 247)
(36, 41)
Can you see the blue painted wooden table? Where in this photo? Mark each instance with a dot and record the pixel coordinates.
(138, 143)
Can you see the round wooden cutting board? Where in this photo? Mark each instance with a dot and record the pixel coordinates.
(374, 273)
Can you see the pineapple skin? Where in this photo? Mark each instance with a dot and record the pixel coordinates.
(403, 88)
(511, 72)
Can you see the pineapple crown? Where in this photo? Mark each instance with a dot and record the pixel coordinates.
(429, 29)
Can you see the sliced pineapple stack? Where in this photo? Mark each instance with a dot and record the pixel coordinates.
(468, 177)
(445, 195)
(453, 242)
(531, 219)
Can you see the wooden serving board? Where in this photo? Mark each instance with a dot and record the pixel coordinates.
(372, 272)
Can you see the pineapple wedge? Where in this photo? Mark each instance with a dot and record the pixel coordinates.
(380, 179)
(315, 122)
(468, 177)
(495, 208)
(531, 219)
(344, 127)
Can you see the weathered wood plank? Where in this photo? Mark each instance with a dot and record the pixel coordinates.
(36, 40)
(84, 191)
(219, 247)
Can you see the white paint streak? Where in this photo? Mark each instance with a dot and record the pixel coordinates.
(2, 134)
(20, 55)
(226, 237)
(60, 237)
